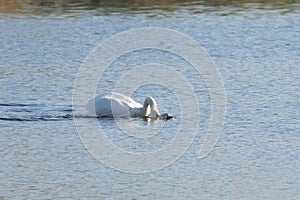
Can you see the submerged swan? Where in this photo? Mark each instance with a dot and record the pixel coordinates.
(117, 105)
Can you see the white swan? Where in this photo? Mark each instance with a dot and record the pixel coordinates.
(117, 105)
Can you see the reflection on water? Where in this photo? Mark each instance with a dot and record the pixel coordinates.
(136, 6)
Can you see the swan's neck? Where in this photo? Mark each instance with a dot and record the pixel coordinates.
(150, 102)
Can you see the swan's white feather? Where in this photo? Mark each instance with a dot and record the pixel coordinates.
(113, 104)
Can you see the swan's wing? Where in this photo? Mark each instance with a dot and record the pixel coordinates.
(125, 100)
(133, 104)
(100, 106)
(122, 99)
(112, 104)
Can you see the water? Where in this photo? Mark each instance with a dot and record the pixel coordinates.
(254, 45)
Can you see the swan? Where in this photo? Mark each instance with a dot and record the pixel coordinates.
(118, 105)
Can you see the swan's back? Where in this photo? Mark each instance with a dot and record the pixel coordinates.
(109, 104)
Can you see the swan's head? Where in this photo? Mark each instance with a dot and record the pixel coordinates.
(165, 116)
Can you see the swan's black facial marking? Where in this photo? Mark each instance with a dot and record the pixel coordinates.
(169, 117)
(165, 116)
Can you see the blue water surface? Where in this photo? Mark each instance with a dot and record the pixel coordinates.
(256, 49)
